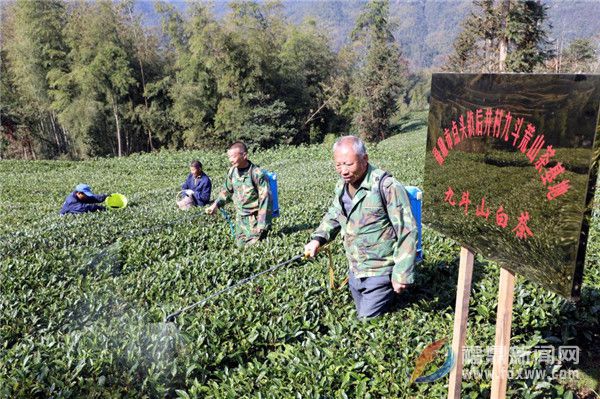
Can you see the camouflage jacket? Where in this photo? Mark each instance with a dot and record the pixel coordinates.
(250, 197)
(376, 243)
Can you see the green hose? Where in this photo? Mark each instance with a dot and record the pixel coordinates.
(228, 218)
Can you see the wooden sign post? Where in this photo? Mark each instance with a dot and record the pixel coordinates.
(503, 322)
(503, 326)
(461, 313)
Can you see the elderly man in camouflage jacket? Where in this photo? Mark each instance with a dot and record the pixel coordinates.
(379, 236)
(248, 187)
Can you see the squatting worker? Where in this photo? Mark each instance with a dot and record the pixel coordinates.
(380, 237)
(83, 200)
(248, 187)
(197, 187)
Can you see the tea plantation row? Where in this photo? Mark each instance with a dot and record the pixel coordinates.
(84, 298)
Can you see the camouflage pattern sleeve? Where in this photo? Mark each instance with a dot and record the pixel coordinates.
(226, 191)
(405, 226)
(330, 225)
(263, 219)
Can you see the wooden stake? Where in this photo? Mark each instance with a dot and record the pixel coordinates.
(503, 323)
(461, 312)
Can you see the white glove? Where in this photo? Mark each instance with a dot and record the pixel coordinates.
(189, 193)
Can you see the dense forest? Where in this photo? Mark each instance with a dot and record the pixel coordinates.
(81, 79)
(425, 29)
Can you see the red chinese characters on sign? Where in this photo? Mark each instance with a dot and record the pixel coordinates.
(448, 138)
(455, 133)
(438, 156)
(544, 159)
(501, 217)
(465, 201)
(521, 230)
(535, 148)
(558, 189)
(526, 138)
(449, 197)
(498, 123)
(488, 121)
(517, 132)
(479, 122)
(552, 173)
(482, 211)
(463, 127)
(507, 122)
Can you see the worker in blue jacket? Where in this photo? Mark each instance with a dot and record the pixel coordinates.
(83, 200)
(197, 186)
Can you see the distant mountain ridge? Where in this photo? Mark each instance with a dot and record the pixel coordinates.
(425, 29)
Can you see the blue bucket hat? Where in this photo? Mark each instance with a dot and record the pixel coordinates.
(84, 188)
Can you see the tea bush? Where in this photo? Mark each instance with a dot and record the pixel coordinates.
(84, 297)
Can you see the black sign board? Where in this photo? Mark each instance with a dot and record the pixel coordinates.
(511, 168)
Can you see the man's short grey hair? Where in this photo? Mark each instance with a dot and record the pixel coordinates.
(357, 144)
